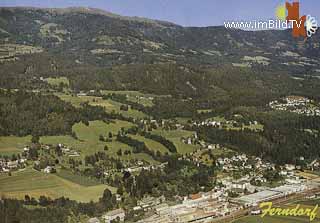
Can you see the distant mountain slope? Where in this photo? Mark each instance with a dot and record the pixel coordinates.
(99, 38)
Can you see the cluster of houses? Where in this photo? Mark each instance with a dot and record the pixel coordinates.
(11, 165)
(254, 168)
(8, 165)
(194, 140)
(191, 140)
(296, 104)
(243, 162)
(166, 124)
(141, 167)
(67, 151)
(209, 123)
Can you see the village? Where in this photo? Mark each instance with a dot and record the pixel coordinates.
(296, 104)
(220, 202)
(244, 183)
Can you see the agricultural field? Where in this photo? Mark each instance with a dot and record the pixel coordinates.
(175, 136)
(13, 144)
(35, 184)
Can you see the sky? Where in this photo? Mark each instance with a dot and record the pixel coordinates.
(182, 12)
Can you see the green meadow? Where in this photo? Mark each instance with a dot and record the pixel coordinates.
(151, 144)
(13, 144)
(57, 81)
(135, 96)
(109, 105)
(35, 184)
(175, 137)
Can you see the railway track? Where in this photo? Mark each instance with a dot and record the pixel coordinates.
(283, 200)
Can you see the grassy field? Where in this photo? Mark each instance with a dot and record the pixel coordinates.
(88, 139)
(151, 144)
(97, 128)
(57, 81)
(12, 144)
(81, 180)
(87, 143)
(36, 183)
(109, 105)
(74, 100)
(88, 136)
(135, 96)
(175, 137)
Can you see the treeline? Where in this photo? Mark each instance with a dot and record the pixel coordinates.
(138, 147)
(141, 147)
(158, 138)
(168, 144)
(123, 99)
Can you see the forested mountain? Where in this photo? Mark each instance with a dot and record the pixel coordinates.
(93, 37)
